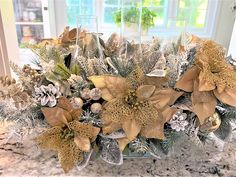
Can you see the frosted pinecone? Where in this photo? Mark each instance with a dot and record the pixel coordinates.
(178, 122)
(47, 95)
(48, 66)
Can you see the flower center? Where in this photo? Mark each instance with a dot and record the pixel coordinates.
(132, 100)
(67, 134)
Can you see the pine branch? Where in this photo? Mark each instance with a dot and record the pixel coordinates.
(61, 70)
(171, 137)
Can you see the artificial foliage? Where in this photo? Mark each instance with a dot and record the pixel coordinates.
(85, 98)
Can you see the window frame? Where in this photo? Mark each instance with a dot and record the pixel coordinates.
(207, 31)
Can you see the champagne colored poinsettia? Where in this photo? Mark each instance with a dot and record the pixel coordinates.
(211, 78)
(69, 137)
(134, 106)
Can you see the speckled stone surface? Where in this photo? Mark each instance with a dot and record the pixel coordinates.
(185, 161)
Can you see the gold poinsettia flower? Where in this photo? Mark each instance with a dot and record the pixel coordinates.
(135, 106)
(69, 137)
(211, 78)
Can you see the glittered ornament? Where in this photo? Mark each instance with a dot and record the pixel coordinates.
(95, 94)
(32, 73)
(74, 79)
(85, 93)
(211, 124)
(77, 102)
(96, 108)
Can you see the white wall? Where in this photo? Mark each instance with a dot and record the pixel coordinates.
(224, 23)
(232, 46)
(8, 19)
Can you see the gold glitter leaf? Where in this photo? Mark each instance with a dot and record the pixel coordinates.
(69, 155)
(50, 139)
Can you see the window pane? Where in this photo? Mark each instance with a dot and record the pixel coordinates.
(78, 7)
(193, 12)
(108, 14)
(111, 2)
(147, 3)
(159, 19)
(198, 19)
(158, 2)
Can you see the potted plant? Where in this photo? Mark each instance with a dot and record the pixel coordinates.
(131, 18)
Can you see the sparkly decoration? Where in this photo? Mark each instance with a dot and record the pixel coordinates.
(211, 124)
(96, 108)
(9, 89)
(95, 94)
(77, 102)
(85, 93)
(48, 66)
(74, 79)
(178, 122)
(109, 151)
(32, 73)
(47, 95)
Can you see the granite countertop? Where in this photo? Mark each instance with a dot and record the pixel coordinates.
(184, 161)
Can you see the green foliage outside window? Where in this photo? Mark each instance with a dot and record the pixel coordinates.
(132, 16)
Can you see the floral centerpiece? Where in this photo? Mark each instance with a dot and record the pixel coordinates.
(87, 98)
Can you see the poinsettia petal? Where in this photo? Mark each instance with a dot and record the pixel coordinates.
(186, 81)
(56, 116)
(69, 155)
(203, 103)
(50, 139)
(111, 86)
(205, 85)
(65, 103)
(168, 113)
(155, 130)
(228, 96)
(131, 128)
(161, 98)
(123, 143)
(83, 143)
(111, 127)
(145, 91)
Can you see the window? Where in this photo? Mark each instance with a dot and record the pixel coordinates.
(196, 16)
(78, 7)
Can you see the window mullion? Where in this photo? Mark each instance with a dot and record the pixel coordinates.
(172, 13)
(99, 8)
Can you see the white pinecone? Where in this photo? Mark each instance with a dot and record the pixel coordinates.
(178, 122)
(47, 95)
